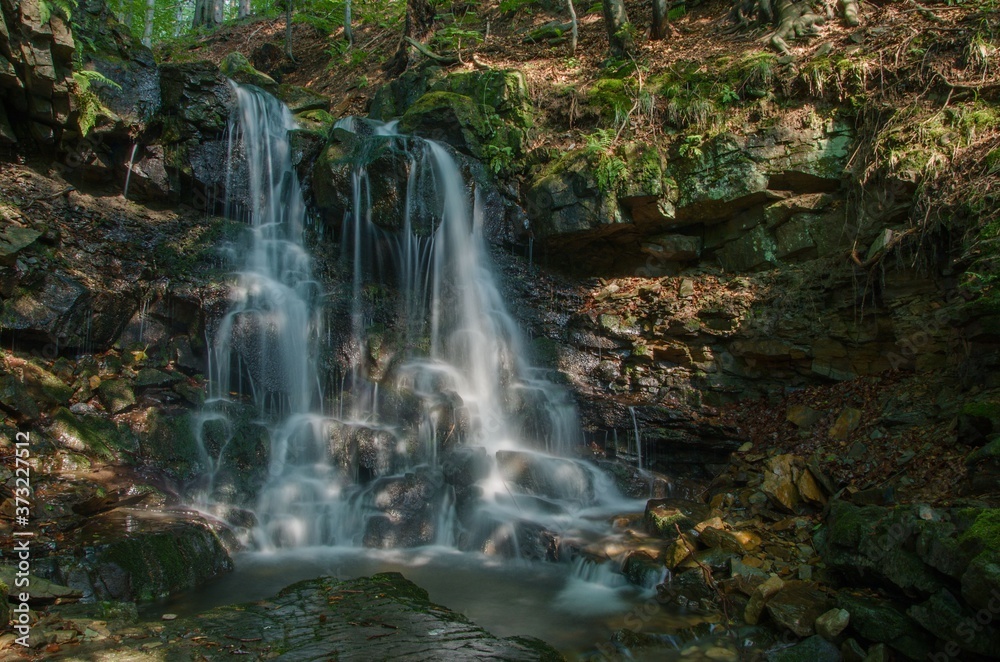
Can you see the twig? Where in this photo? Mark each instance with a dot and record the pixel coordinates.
(426, 52)
(925, 12)
(53, 196)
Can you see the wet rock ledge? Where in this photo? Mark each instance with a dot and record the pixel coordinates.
(381, 617)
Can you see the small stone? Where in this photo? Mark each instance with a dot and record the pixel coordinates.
(878, 653)
(852, 651)
(797, 606)
(168, 617)
(745, 447)
(905, 457)
(677, 553)
(809, 489)
(779, 482)
(832, 623)
(758, 600)
(686, 288)
(803, 417)
(858, 451)
(805, 573)
(846, 422)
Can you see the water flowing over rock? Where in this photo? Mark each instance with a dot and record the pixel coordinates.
(437, 430)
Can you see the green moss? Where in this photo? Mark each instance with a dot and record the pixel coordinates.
(237, 67)
(90, 434)
(611, 98)
(985, 408)
(984, 534)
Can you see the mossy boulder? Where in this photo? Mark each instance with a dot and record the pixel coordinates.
(238, 68)
(91, 435)
(565, 198)
(232, 440)
(139, 555)
(116, 395)
(871, 543)
(883, 622)
(448, 117)
(318, 120)
(302, 99)
(168, 443)
(501, 91)
(15, 399)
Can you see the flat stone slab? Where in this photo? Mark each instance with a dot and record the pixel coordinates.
(382, 617)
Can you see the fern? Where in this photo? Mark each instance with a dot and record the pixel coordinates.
(88, 104)
(87, 76)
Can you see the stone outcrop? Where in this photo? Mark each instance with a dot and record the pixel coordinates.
(747, 201)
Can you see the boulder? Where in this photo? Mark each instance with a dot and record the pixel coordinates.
(13, 240)
(663, 516)
(830, 624)
(797, 606)
(881, 621)
(759, 598)
(142, 555)
(779, 482)
(238, 68)
(547, 476)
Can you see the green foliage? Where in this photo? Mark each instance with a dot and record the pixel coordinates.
(452, 38)
(514, 6)
(690, 147)
(63, 8)
(609, 167)
(88, 104)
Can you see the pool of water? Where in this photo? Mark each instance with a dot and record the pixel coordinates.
(545, 600)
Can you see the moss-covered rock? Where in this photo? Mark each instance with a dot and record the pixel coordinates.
(116, 395)
(316, 120)
(450, 118)
(168, 443)
(871, 543)
(382, 617)
(89, 434)
(142, 555)
(302, 99)
(14, 398)
(238, 68)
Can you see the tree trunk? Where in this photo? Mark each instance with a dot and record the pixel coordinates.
(147, 28)
(661, 23)
(348, 33)
(419, 24)
(203, 15)
(574, 31)
(217, 11)
(288, 30)
(244, 9)
(178, 18)
(619, 29)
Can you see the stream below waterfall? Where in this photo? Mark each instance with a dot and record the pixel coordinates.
(574, 610)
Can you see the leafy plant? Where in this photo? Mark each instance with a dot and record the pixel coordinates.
(88, 104)
(690, 147)
(610, 167)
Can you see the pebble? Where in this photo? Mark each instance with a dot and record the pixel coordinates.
(168, 617)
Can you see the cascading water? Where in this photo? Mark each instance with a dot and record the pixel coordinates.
(455, 440)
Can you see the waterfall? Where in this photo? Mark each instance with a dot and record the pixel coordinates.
(457, 439)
